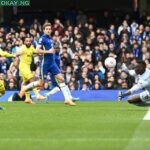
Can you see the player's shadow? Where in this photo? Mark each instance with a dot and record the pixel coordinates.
(141, 104)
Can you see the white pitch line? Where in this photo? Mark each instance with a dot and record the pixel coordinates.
(147, 116)
(73, 139)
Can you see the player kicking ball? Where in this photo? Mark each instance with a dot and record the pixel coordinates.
(142, 75)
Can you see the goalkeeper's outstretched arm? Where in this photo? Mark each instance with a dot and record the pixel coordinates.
(135, 88)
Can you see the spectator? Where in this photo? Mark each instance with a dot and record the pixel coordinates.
(84, 46)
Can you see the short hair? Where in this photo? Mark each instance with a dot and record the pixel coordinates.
(141, 62)
(24, 38)
(46, 25)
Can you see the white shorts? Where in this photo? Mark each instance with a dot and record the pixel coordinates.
(145, 96)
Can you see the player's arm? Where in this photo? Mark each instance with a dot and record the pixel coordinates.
(135, 88)
(38, 50)
(142, 84)
(15, 64)
(6, 54)
(20, 52)
(125, 68)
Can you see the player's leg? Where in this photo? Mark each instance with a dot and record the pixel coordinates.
(53, 80)
(134, 99)
(28, 99)
(16, 97)
(28, 77)
(34, 86)
(31, 85)
(53, 69)
(55, 87)
(44, 71)
(143, 97)
(65, 90)
(24, 92)
(38, 95)
(61, 83)
(2, 91)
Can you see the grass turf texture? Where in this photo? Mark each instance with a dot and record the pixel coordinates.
(87, 126)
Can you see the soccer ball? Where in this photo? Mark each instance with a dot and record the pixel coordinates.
(110, 62)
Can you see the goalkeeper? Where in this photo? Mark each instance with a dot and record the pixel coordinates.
(142, 75)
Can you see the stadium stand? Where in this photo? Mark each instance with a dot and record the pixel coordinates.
(85, 42)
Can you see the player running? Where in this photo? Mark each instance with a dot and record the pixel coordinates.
(48, 64)
(25, 59)
(55, 87)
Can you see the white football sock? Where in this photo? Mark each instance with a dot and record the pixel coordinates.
(53, 91)
(31, 85)
(65, 90)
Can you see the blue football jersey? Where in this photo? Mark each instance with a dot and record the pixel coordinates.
(47, 43)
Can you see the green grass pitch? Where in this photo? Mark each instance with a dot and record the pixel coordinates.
(87, 126)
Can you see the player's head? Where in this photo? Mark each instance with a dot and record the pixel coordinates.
(47, 28)
(140, 67)
(28, 41)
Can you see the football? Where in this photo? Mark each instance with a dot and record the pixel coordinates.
(110, 62)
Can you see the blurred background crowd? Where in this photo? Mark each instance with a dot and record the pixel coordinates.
(84, 43)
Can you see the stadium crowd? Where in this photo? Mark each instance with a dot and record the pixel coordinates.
(84, 45)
